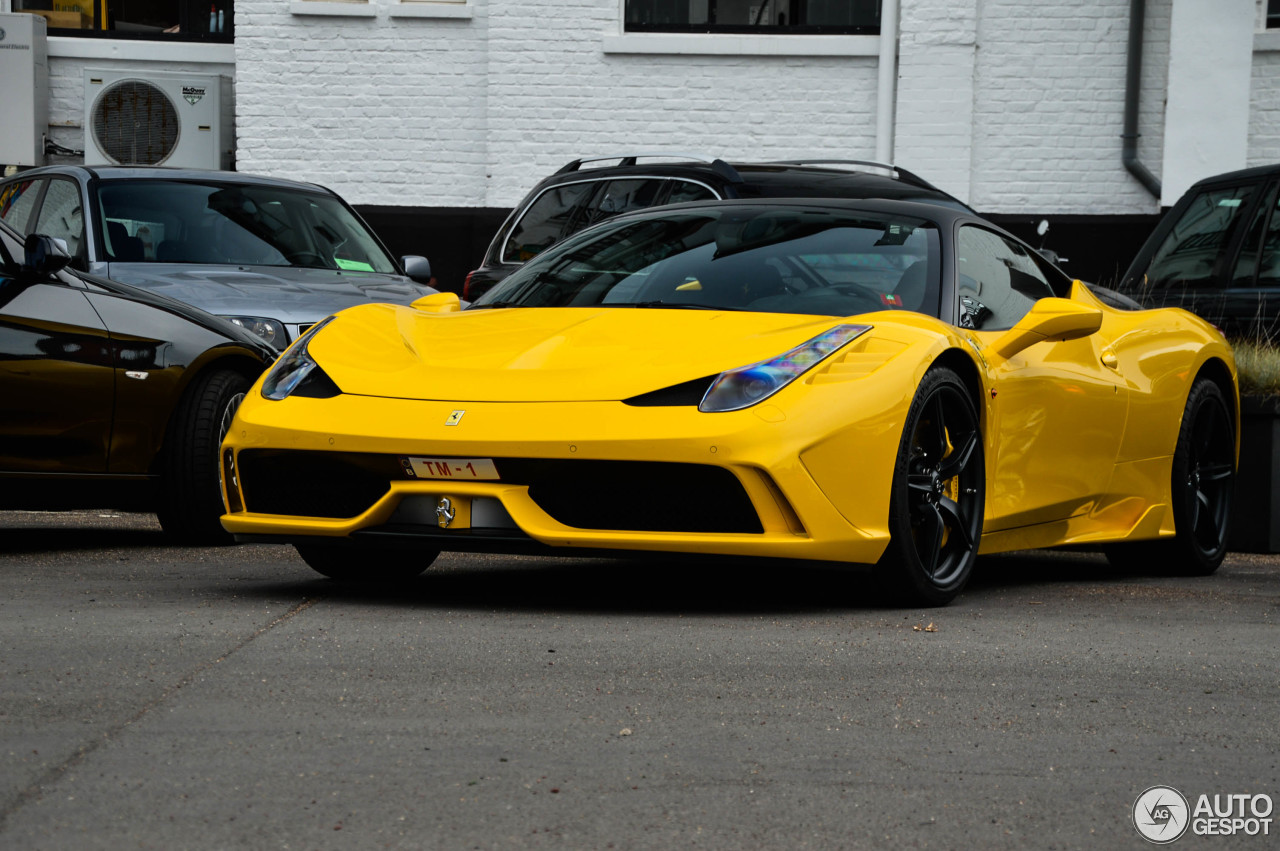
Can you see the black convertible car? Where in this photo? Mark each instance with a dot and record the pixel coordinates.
(111, 396)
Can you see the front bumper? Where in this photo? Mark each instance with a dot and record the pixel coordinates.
(580, 476)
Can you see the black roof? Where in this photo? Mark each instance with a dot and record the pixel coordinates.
(151, 172)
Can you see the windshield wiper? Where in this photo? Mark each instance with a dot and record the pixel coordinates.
(494, 304)
(678, 305)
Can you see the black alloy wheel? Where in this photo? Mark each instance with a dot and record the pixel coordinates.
(1204, 471)
(938, 495)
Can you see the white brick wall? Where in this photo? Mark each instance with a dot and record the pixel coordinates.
(1014, 106)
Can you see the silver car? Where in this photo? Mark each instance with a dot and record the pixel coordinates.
(271, 255)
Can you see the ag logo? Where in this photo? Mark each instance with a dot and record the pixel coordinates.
(1161, 815)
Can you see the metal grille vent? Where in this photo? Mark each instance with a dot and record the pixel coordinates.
(135, 123)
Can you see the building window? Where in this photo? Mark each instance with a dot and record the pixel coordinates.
(825, 17)
(175, 20)
(1273, 14)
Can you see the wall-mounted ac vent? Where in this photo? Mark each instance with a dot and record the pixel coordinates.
(181, 120)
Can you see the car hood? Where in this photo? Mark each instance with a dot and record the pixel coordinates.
(285, 294)
(550, 354)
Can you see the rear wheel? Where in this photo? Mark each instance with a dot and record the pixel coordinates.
(367, 565)
(937, 497)
(191, 492)
(1204, 468)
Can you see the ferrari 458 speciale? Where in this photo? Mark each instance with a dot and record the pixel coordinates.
(883, 383)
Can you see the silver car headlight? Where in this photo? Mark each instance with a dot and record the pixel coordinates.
(745, 386)
(271, 331)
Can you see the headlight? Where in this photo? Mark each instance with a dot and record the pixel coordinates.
(745, 386)
(294, 367)
(269, 330)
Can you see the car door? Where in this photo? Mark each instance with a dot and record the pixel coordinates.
(1057, 411)
(57, 378)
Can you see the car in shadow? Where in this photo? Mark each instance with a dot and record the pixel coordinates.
(112, 396)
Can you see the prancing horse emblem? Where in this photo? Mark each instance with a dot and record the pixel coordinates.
(444, 512)
(454, 418)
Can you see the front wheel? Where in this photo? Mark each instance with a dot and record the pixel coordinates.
(1204, 469)
(191, 491)
(366, 565)
(937, 497)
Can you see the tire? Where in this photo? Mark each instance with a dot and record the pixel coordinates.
(190, 486)
(366, 565)
(937, 497)
(1204, 469)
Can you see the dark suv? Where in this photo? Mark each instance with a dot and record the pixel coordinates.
(574, 197)
(1217, 253)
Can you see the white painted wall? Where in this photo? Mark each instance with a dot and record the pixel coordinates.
(1210, 68)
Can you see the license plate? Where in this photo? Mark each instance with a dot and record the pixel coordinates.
(450, 468)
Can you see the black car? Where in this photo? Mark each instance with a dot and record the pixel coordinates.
(272, 255)
(1217, 253)
(574, 197)
(112, 396)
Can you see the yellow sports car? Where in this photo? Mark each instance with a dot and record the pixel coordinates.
(862, 382)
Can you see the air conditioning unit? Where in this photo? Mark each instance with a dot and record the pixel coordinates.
(158, 118)
(24, 95)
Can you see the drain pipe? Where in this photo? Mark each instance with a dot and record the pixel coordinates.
(887, 78)
(1132, 87)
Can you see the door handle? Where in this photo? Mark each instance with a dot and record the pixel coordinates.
(1109, 359)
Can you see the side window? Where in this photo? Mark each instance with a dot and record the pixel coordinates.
(618, 196)
(683, 190)
(1194, 252)
(998, 280)
(62, 215)
(17, 200)
(544, 222)
(1260, 254)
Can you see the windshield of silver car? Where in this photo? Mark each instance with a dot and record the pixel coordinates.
(170, 221)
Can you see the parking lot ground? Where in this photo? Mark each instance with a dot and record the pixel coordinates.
(213, 698)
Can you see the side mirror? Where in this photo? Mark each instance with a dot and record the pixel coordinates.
(417, 267)
(45, 254)
(438, 303)
(1049, 319)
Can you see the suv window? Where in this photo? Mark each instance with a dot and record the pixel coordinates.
(17, 200)
(999, 280)
(618, 196)
(1259, 260)
(544, 222)
(683, 190)
(62, 215)
(1193, 253)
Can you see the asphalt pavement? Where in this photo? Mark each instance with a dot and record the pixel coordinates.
(155, 697)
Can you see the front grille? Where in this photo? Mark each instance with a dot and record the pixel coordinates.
(615, 495)
(314, 484)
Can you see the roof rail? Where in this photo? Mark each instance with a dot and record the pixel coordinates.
(720, 166)
(901, 172)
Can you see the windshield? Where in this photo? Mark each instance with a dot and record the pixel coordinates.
(768, 259)
(170, 221)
